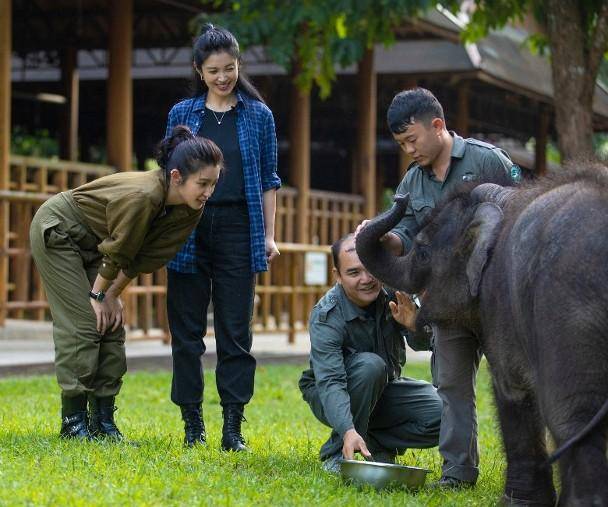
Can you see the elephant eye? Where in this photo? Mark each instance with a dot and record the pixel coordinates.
(423, 255)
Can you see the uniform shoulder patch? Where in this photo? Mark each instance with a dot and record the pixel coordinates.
(515, 173)
(326, 305)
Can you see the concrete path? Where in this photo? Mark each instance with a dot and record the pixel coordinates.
(26, 347)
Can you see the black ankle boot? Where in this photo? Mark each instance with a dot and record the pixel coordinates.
(232, 440)
(102, 423)
(194, 426)
(74, 419)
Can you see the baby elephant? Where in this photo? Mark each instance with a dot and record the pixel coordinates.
(526, 269)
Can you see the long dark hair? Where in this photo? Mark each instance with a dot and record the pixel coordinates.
(184, 151)
(215, 39)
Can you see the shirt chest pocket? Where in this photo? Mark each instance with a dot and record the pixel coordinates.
(360, 336)
(421, 207)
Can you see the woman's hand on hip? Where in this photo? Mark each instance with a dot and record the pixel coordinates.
(271, 249)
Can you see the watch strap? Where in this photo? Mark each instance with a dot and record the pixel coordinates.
(97, 296)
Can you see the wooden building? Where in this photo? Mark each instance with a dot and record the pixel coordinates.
(102, 75)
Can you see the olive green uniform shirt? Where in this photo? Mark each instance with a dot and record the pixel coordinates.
(471, 160)
(137, 232)
(339, 328)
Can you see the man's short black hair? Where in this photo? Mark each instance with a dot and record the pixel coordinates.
(337, 247)
(409, 106)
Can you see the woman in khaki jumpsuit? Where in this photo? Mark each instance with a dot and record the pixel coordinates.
(88, 243)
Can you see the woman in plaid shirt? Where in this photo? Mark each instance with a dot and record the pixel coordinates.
(233, 241)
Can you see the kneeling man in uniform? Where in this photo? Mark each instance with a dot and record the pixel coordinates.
(354, 384)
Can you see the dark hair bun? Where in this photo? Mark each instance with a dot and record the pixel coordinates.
(179, 134)
(206, 27)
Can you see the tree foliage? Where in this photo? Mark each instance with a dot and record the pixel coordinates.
(309, 38)
(575, 33)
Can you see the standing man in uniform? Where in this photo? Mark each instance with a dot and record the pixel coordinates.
(354, 384)
(442, 160)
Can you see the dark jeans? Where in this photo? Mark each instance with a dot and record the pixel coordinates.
(390, 416)
(224, 277)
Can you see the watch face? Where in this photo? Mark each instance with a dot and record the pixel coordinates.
(97, 296)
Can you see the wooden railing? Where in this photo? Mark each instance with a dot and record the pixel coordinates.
(283, 300)
(331, 215)
(285, 219)
(47, 176)
(31, 182)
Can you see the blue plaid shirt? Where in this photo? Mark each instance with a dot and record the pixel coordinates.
(258, 143)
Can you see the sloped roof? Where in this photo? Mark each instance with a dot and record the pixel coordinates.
(54, 24)
(501, 56)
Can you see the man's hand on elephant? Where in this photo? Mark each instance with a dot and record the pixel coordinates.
(390, 241)
(404, 310)
(361, 226)
(353, 442)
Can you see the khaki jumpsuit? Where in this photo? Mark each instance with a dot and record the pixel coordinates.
(116, 222)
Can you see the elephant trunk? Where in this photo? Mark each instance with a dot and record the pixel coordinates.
(381, 263)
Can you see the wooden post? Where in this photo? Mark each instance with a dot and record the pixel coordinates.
(120, 86)
(299, 158)
(5, 144)
(462, 120)
(293, 298)
(71, 82)
(366, 146)
(540, 151)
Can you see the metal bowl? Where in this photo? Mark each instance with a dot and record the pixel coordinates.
(382, 475)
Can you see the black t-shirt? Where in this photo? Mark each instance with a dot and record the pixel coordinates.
(231, 185)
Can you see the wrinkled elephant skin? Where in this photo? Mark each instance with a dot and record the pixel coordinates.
(526, 269)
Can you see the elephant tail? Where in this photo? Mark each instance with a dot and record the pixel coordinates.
(597, 418)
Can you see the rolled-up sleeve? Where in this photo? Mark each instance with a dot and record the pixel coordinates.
(268, 159)
(327, 362)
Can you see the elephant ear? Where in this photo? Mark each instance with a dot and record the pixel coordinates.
(483, 231)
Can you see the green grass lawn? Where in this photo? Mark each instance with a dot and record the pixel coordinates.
(37, 468)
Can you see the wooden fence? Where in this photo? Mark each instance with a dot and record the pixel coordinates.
(283, 299)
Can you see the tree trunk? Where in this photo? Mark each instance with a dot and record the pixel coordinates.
(575, 59)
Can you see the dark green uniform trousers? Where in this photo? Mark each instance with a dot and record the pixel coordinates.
(390, 416)
(457, 356)
(66, 256)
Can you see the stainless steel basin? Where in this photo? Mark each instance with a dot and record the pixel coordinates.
(382, 475)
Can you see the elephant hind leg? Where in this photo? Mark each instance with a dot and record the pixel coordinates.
(583, 466)
(584, 472)
(529, 479)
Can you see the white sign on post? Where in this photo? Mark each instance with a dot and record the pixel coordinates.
(315, 268)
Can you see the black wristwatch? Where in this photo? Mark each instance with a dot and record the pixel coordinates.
(97, 296)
